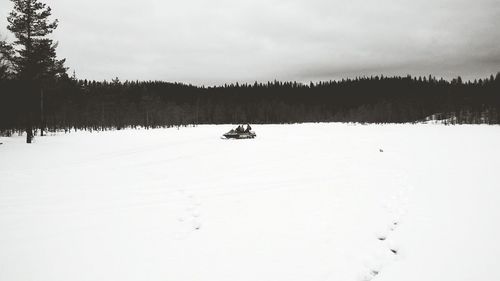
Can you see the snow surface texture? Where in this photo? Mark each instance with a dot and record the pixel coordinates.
(299, 202)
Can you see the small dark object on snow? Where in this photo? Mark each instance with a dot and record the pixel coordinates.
(374, 272)
(394, 251)
(381, 238)
(381, 150)
(240, 133)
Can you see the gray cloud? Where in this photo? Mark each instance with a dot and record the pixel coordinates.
(211, 42)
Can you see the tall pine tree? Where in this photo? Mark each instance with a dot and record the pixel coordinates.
(6, 55)
(35, 61)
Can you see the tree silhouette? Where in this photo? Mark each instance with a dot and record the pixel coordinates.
(35, 60)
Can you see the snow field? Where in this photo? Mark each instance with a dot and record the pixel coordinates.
(299, 202)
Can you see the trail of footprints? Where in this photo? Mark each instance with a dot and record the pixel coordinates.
(389, 251)
(189, 218)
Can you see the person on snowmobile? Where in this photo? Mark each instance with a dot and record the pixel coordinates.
(239, 129)
(248, 128)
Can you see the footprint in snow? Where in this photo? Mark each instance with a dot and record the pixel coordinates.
(394, 225)
(370, 275)
(394, 251)
(194, 211)
(196, 225)
(189, 219)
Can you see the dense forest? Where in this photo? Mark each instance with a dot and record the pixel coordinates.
(36, 94)
(93, 105)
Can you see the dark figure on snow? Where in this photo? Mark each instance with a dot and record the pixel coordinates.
(248, 128)
(240, 129)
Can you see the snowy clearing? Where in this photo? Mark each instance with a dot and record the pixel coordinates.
(299, 202)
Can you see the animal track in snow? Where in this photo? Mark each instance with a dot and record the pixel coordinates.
(397, 208)
(194, 211)
(190, 218)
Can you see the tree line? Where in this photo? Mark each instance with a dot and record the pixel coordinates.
(94, 105)
(38, 95)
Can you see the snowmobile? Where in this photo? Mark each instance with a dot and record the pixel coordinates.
(239, 133)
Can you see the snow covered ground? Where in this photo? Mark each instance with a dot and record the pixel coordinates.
(299, 202)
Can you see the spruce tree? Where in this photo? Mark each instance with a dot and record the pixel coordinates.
(35, 60)
(6, 55)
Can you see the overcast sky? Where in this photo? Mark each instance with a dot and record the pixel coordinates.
(216, 41)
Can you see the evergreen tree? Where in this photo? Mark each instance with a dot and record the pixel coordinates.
(35, 60)
(6, 55)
